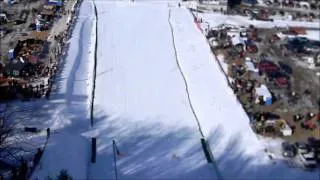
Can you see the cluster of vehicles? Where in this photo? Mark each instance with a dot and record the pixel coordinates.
(303, 4)
(279, 73)
(308, 153)
(306, 122)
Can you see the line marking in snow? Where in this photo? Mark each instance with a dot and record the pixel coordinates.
(183, 76)
(72, 77)
(95, 65)
(215, 166)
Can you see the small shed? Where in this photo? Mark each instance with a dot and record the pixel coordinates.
(3, 17)
(11, 54)
(285, 129)
(250, 67)
(237, 40)
(263, 92)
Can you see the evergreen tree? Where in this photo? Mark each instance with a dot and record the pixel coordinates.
(64, 175)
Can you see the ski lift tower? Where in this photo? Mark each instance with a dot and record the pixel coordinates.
(228, 5)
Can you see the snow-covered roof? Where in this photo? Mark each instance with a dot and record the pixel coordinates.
(237, 40)
(250, 67)
(218, 18)
(263, 91)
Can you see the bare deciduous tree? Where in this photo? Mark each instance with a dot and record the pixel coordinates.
(13, 142)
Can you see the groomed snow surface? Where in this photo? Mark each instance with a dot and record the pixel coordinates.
(141, 102)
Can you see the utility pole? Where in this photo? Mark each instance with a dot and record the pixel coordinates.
(228, 6)
(115, 158)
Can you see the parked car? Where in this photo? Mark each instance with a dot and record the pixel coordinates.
(264, 56)
(315, 146)
(308, 159)
(309, 125)
(24, 34)
(297, 44)
(266, 115)
(288, 150)
(19, 21)
(281, 82)
(302, 147)
(285, 68)
(268, 67)
(298, 117)
(252, 48)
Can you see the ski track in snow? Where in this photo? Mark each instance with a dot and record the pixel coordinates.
(216, 169)
(76, 65)
(183, 76)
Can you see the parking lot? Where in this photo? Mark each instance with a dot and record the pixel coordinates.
(275, 74)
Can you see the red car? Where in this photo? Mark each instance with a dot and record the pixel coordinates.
(308, 125)
(268, 67)
(281, 81)
(252, 49)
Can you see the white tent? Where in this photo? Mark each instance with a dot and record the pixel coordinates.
(265, 93)
(286, 131)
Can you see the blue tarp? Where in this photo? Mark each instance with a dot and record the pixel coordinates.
(252, 2)
(268, 101)
(54, 2)
(11, 54)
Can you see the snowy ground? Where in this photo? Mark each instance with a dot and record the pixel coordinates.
(215, 19)
(310, 34)
(141, 102)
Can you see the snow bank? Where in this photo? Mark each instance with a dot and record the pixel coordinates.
(68, 108)
(220, 58)
(310, 34)
(215, 19)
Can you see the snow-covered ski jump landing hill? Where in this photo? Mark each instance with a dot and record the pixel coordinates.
(159, 90)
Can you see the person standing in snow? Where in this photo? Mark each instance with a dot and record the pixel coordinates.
(48, 92)
(48, 133)
(23, 170)
(14, 174)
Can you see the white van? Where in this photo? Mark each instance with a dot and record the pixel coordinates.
(308, 159)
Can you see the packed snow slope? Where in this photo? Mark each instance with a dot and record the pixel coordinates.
(141, 100)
